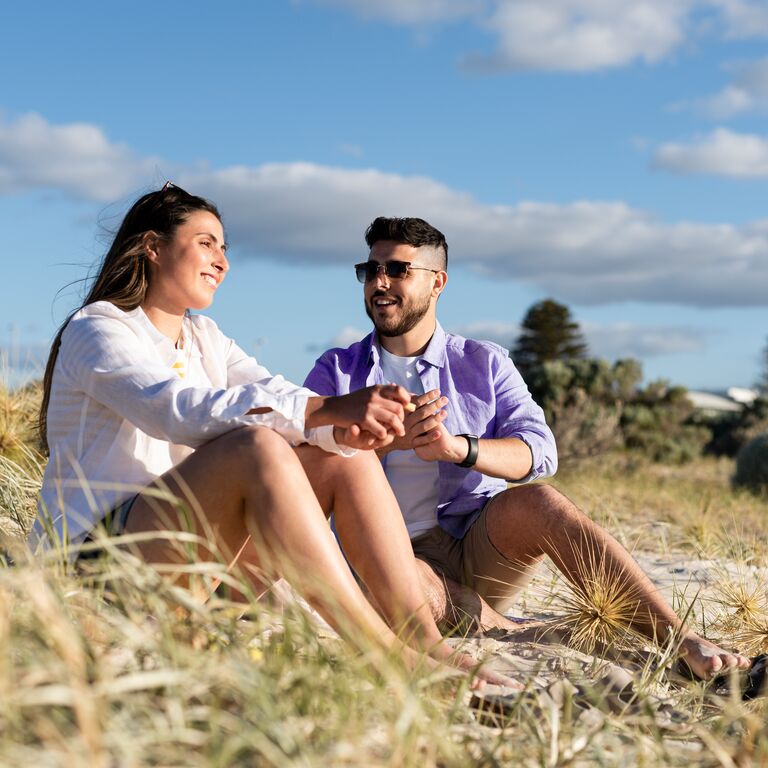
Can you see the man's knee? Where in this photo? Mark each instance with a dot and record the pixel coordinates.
(544, 499)
(529, 508)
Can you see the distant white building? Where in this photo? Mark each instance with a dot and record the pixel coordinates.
(731, 401)
(742, 395)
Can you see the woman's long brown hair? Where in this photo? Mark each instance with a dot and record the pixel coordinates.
(123, 276)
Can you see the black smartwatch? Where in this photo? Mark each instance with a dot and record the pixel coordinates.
(474, 449)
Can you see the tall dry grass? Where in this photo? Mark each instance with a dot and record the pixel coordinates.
(117, 666)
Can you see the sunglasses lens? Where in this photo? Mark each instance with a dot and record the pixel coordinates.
(396, 269)
(368, 270)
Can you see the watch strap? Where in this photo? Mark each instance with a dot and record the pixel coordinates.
(474, 449)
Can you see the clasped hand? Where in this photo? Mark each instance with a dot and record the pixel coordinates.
(425, 432)
(369, 418)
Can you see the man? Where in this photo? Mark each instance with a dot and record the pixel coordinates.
(474, 427)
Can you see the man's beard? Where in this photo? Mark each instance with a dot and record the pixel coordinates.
(409, 318)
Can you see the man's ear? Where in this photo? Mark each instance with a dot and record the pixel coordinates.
(438, 283)
(150, 242)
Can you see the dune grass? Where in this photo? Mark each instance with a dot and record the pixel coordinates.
(118, 667)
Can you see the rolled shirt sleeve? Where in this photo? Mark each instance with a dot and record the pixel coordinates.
(519, 416)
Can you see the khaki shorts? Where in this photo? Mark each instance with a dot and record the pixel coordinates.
(474, 562)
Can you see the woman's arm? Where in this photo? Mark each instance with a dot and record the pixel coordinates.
(103, 354)
(366, 419)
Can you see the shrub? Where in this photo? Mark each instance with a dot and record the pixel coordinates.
(732, 431)
(752, 465)
(593, 406)
(657, 423)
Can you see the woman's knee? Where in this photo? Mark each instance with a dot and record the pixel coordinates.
(255, 450)
(335, 468)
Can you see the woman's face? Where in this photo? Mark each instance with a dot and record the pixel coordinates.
(187, 270)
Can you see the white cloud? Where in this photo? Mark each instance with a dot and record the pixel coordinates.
(410, 11)
(76, 158)
(748, 91)
(587, 252)
(743, 18)
(721, 153)
(353, 150)
(619, 340)
(582, 35)
(575, 35)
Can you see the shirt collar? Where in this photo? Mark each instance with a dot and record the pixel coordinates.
(433, 355)
(162, 341)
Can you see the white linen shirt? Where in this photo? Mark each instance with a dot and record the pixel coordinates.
(120, 416)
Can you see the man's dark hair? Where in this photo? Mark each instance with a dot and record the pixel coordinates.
(410, 231)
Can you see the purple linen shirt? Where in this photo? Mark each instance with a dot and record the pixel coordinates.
(486, 397)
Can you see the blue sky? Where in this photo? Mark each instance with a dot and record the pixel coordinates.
(610, 155)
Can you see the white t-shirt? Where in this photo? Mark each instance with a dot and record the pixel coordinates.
(126, 406)
(414, 481)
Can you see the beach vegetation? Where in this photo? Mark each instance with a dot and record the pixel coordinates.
(114, 665)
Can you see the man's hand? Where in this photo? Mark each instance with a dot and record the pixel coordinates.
(424, 431)
(368, 418)
(440, 445)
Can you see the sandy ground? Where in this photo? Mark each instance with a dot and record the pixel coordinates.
(634, 681)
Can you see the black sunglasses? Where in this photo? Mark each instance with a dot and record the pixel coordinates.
(397, 270)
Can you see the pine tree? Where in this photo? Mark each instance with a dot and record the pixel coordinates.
(548, 332)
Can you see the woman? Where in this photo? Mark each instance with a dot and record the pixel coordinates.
(144, 402)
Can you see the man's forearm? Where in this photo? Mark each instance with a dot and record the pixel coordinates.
(506, 457)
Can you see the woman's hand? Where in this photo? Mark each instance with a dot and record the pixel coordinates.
(353, 437)
(376, 413)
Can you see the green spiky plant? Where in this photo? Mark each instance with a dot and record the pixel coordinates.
(596, 610)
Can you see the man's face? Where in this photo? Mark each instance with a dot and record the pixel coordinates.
(396, 306)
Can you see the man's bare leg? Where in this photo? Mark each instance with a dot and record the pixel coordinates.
(528, 522)
(458, 607)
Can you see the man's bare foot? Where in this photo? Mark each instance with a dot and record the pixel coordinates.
(512, 628)
(707, 660)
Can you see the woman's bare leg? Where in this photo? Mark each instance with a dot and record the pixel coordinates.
(250, 481)
(375, 540)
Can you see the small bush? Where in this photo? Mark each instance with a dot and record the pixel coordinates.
(593, 407)
(734, 430)
(752, 465)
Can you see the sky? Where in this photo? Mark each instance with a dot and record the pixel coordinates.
(612, 156)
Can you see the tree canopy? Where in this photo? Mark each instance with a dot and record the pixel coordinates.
(548, 333)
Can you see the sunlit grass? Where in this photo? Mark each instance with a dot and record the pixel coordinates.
(118, 666)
